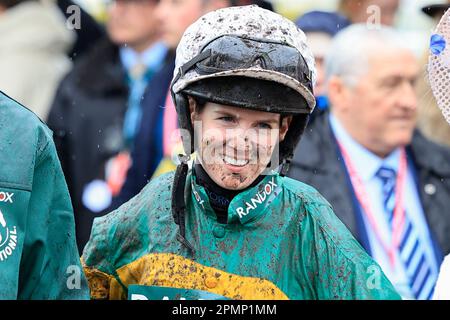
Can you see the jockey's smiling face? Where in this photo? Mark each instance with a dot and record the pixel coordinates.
(235, 145)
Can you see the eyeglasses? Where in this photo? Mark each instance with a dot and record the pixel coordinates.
(233, 52)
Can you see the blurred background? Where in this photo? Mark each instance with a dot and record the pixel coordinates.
(98, 72)
(410, 19)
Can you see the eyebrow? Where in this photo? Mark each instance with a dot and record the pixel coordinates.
(230, 114)
(399, 77)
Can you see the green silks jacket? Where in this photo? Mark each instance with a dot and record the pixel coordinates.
(38, 254)
(282, 241)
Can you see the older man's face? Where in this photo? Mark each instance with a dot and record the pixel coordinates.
(382, 106)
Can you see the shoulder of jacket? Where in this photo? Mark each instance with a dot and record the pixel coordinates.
(156, 193)
(305, 192)
(112, 233)
(329, 227)
(311, 151)
(24, 137)
(430, 155)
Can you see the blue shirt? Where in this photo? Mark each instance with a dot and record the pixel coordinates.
(152, 57)
(366, 165)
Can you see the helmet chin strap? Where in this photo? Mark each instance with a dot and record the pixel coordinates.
(178, 202)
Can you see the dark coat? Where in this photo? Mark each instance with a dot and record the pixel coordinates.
(147, 152)
(87, 119)
(318, 162)
(88, 33)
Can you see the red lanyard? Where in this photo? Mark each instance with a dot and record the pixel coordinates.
(399, 212)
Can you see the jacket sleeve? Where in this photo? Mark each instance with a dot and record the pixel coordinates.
(104, 284)
(341, 268)
(50, 267)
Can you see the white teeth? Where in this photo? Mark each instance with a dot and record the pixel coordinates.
(235, 162)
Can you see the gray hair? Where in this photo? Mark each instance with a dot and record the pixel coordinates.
(348, 56)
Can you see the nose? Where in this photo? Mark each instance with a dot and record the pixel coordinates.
(237, 142)
(237, 138)
(408, 96)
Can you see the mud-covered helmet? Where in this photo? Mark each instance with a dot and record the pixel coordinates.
(246, 57)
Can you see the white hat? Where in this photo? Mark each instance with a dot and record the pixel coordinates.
(439, 65)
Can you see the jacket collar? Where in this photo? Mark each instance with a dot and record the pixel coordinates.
(318, 140)
(429, 155)
(245, 207)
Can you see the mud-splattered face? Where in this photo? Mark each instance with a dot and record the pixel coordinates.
(235, 145)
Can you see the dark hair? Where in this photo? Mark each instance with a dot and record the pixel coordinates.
(199, 104)
(11, 3)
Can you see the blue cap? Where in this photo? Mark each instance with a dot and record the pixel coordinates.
(322, 21)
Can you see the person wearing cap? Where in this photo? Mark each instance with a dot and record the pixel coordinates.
(155, 140)
(156, 154)
(386, 181)
(232, 225)
(98, 107)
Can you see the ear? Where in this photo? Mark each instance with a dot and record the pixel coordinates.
(338, 93)
(284, 127)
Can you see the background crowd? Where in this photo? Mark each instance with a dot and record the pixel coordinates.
(103, 88)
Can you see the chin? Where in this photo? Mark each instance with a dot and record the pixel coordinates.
(120, 40)
(405, 139)
(399, 143)
(237, 182)
(399, 138)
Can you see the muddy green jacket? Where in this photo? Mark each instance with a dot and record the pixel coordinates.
(282, 241)
(38, 255)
